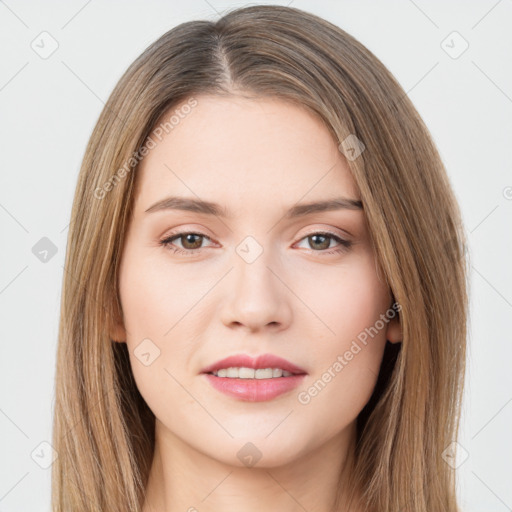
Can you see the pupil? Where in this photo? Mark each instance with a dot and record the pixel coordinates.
(324, 237)
(190, 237)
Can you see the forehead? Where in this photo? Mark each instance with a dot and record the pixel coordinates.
(242, 151)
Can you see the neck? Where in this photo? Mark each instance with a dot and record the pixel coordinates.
(184, 479)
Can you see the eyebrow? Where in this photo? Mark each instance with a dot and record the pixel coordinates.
(209, 208)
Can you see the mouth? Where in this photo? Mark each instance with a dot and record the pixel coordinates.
(254, 380)
(262, 365)
(251, 373)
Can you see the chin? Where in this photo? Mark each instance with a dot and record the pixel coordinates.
(259, 451)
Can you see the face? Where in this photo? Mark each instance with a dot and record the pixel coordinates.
(249, 279)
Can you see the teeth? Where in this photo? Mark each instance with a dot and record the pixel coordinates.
(244, 373)
(251, 373)
(263, 373)
(232, 372)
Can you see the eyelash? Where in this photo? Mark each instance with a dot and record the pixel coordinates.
(166, 242)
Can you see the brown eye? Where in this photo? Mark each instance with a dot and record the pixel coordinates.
(190, 242)
(322, 242)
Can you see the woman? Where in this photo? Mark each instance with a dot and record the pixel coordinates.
(265, 297)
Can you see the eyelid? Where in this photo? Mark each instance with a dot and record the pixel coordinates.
(331, 231)
(344, 243)
(187, 229)
(180, 233)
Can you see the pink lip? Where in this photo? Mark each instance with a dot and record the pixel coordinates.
(262, 361)
(254, 390)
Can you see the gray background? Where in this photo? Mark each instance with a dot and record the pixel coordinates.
(48, 107)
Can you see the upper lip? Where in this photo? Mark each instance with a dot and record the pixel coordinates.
(261, 361)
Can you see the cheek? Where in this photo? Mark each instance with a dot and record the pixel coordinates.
(153, 298)
(345, 301)
(158, 308)
(348, 354)
(148, 316)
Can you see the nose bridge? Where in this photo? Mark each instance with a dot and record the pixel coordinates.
(252, 261)
(257, 296)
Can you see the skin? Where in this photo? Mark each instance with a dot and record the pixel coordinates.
(257, 158)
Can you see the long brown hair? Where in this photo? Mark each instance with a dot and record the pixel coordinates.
(103, 429)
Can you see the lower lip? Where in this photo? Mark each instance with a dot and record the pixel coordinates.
(254, 390)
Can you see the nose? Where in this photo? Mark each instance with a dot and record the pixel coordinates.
(256, 294)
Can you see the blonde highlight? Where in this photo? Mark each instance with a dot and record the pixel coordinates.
(103, 429)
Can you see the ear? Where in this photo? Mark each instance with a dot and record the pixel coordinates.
(117, 331)
(394, 331)
(394, 328)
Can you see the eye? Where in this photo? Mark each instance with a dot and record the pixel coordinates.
(322, 241)
(192, 241)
